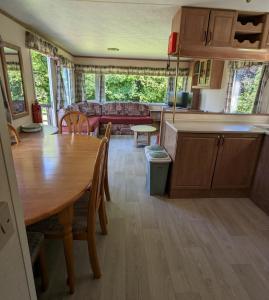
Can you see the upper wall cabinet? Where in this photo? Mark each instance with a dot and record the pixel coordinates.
(202, 26)
(221, 28)
(193, 27)
(221, 34)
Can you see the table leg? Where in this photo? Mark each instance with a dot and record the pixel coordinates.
(136, 138)
(66, 220)
(149, 138)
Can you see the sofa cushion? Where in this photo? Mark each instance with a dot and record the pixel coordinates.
(94, 109)
(144, 110)
(110, 109)
(132, 109)
(126, 120)
(93, 124)
(88, 108)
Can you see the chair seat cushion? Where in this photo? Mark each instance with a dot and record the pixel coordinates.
(51, 227)
(35, 240)
(126, 120)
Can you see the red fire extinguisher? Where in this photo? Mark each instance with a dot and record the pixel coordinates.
(37, 113)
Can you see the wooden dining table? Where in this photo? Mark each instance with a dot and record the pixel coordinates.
(53, 172)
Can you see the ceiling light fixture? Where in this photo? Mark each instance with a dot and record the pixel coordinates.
(113, 49)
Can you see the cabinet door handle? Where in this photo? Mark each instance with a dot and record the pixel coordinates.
(209, 37)
(218, 140)
(205, 36)
(222, 140)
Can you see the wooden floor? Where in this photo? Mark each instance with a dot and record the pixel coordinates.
(160, 249)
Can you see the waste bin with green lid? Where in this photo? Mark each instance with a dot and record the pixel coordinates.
(158, 162)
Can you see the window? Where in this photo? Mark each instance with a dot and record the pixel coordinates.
(245, 86)
(89, 80)
(119, 87)
(41, 77)
(40, 65)
(151, 89)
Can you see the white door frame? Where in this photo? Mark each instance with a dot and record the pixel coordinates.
(13, 199)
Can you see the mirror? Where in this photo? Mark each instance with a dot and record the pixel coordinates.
(13, 74)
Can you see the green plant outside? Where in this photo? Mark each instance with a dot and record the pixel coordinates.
(41, 77)
(249, 79)
(146, 89)
(15, 84)
(89, 86)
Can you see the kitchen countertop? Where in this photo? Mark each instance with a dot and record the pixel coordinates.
(216, 127)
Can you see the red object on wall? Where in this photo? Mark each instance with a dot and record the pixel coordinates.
(37, 113)
(172, 45)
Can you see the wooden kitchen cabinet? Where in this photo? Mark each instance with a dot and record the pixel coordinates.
(203, 26)
(236, 161)
(221, 34)
(211, 164)
(194, 25)
(260, 189)
(196, 156)
(209, 76)
(221, 28)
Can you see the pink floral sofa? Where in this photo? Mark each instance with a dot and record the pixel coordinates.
(122, 115)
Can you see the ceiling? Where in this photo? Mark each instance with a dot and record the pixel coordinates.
(139, 28)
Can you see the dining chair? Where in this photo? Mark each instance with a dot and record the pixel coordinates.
(35, 242)
(13, 133)
(85, 213)
(106, 185)
(75, 122)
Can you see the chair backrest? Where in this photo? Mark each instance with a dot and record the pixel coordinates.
(13, 133)
(97, 188)
(107, 135)
(108, 131)
(76, 122)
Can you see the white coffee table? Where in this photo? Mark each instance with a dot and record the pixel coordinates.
(142, 130)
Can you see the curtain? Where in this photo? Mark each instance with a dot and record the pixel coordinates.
(65, 62)
(233, 66)
(79, 86)
(35, 42)
(262, 99)
(61, 92)
(130, 70)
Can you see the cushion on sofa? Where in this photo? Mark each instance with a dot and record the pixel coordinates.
(86, 107)
(93, 124)
(125, 109)
(126, 120)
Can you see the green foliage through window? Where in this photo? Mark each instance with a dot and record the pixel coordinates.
(41, 77)
(151, 89)
(15, 84)
(89, 86)
(245, 87)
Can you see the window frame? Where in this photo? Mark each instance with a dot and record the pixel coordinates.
(100, 94)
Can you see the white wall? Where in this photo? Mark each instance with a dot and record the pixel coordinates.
(14, 33)
(214, 100)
